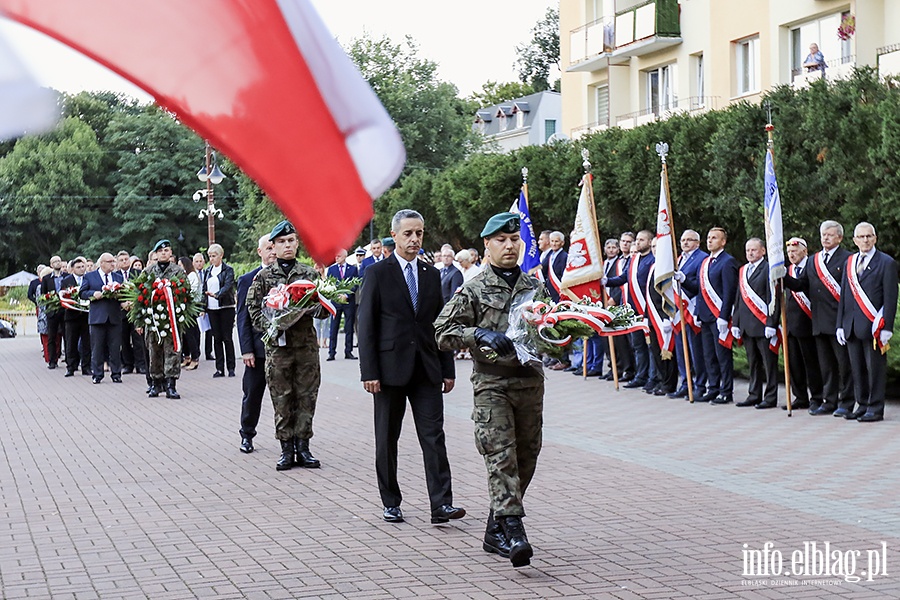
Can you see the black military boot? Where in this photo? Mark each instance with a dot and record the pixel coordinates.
(305, 458)
(170, 389)
(156, 386)
(520, 551)
(287, 456)
(494, 538)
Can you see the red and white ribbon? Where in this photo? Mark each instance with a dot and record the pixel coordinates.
(800, 298)
(165, 286)
(68, 298)
(865, 304)
(831, 284)
(542, 316)
(713, 301)
(279, 297)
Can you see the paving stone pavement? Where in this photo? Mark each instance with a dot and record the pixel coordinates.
(105, 493)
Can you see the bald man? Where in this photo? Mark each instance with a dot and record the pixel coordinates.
(104, 319)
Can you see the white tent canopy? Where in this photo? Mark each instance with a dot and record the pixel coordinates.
(17, 279)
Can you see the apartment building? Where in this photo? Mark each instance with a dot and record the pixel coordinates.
(629, 62)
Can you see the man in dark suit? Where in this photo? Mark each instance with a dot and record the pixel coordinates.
(554, 264)
(636, 270)
(253, 351)
(865, 321)
(78, 339)
(613, 267)
(753, 324)
(688, 267)
(341, 270)
(715, 288)
(52, 282)
(399, 301)
(806, 376)
(376, 256)
(822, 282)
(105, 318)
(451, 277)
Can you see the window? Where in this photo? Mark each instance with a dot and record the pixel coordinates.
(821, 32)
(746, 59)
(698, 81)
(602, 105)
(520, 119)
(549, 128)
(501, 121)
(661, 93)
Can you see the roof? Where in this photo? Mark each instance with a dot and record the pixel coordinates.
(528, 105)
(17, 279)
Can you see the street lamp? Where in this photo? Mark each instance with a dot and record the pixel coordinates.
(211, 175)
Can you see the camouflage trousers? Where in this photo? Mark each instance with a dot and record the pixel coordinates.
(293, 376)
(508, 418)
(164, 361)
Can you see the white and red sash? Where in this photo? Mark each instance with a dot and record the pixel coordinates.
(800, 298)
(713, 301)
(554, 278)
(639, 301)
(666, 340)
(827, 279)
(757, 306)
(865, 304)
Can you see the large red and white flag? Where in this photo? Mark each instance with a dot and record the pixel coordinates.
(25, 107)
(264, 81)
(584, 269)
(665, 253)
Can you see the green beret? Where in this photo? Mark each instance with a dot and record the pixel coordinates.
(506, 222)
(283, 228)
(162, 244)
(388, 241)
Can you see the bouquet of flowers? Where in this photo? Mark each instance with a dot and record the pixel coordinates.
(847, 27)
(164, 307)
(538, 327)
(49, 302)
(111, 291)
(284, 305)
(69, 299)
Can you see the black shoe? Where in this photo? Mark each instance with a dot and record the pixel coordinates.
(155, 388)
(86, 372)
(127, 371)
(795, 405)
(70, 373)
(841, 412)
(330, 358)
(117, 379)
(393, 514)
(520, 551)
(855, 414)
(170, 389)
(141, 371)
(593, 373)
(305, 458)
(660, 392)
(246, 445)
(218, 374)
(824, 410)
(96, 379)
(495, 540)
(707, 397)
(231, 372)
(747, 402)
(763, 405)
(287, 456)
(634, 383)
(210, 357)
(680, 393)
(870, 417)
(571, 369)
(721, 400)
(51, 365)
(447, 512)
(608, 377)
(349, 356)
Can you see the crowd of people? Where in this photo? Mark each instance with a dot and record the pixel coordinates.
(412, 313)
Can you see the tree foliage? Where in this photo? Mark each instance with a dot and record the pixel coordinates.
(495, 93)
(541, 53)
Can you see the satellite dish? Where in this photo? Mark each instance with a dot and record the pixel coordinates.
(558, 137)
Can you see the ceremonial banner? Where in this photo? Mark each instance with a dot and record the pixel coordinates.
(665, 254)
(584, 268)
(529, 256)
(264, 81)
(774, 233)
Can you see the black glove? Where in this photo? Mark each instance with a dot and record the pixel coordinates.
(495, 340)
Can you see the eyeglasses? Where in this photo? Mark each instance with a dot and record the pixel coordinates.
(866, 236)
(690, 240)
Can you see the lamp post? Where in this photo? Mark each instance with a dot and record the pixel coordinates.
(211, 175)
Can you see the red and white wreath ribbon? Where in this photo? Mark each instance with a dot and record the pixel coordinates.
(68, 299)
(279, 297)
(542, 315)
(165, 286)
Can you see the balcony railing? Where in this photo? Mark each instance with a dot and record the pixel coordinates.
(838, 68)
(692, 105)
(642, 28)
(888, 60)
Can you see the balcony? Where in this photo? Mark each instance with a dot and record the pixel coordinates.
(693, 105)
(839, 68)
(640, 29)
(888, 60)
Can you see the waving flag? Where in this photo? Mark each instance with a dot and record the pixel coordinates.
(264, 81)
(665, 253)
(530, 257)
(25, 107)
(584, 268)
(774, 232)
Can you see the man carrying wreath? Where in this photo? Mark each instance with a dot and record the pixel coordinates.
(165, 361)
(292, 356)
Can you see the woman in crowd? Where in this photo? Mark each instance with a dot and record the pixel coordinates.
(219, 290)
(323, 326)
(466, 265)
(192, 334)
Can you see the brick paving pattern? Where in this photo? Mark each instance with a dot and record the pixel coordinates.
(105, 493)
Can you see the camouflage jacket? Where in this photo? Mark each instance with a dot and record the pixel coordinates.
(483, 301)
(302, 333)
(172, 271)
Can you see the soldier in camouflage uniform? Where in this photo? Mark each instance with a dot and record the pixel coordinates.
(292, 357)
(509, 397)
(165, 363)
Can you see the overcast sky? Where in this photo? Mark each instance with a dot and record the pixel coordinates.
(472, 41)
